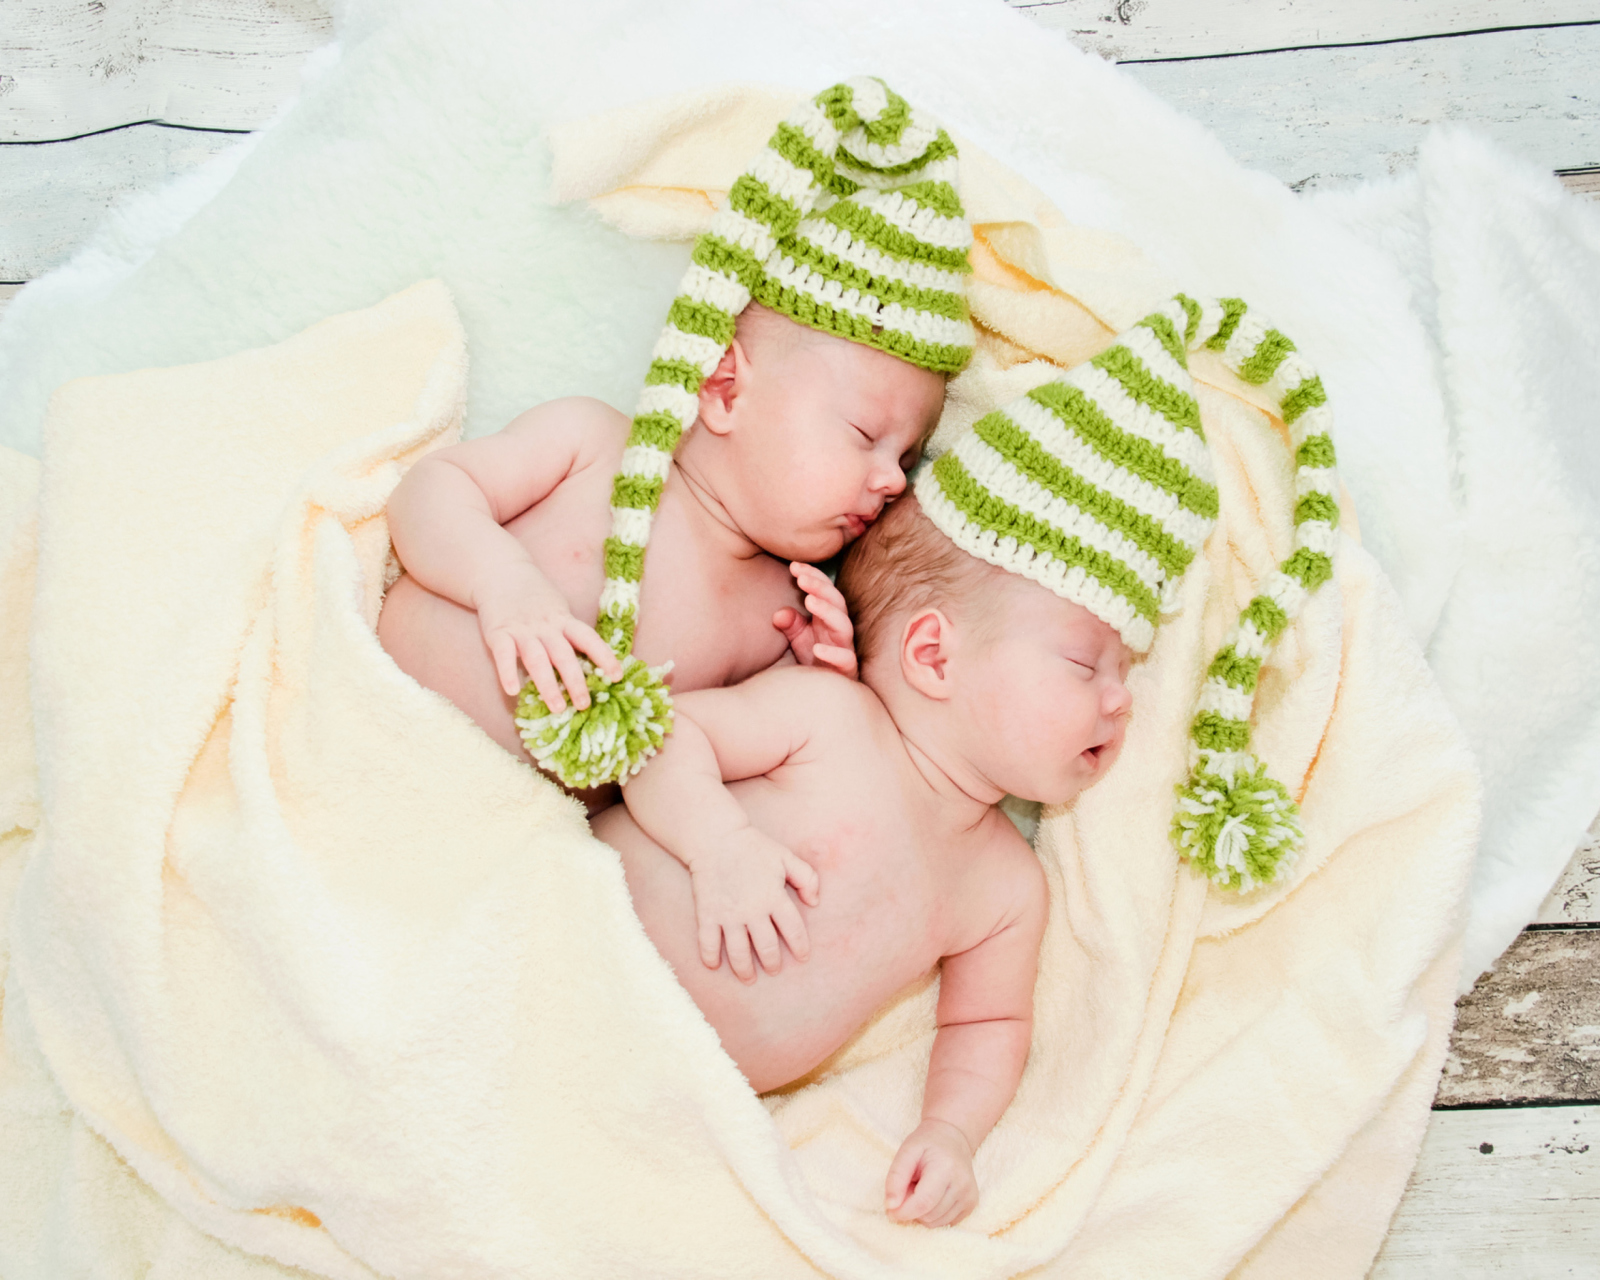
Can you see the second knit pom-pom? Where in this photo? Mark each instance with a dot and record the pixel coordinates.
(624, 725)
(1242, 831)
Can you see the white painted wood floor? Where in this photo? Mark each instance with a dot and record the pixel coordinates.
(100, 100)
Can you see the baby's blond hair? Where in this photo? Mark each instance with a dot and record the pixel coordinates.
(902, 563)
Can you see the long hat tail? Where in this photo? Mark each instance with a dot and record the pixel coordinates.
(1236, 822)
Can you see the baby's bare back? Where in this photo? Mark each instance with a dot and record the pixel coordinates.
(897, 894)
(710, 614)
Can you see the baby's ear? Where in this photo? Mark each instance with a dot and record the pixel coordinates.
(925, 654)
(722, 389)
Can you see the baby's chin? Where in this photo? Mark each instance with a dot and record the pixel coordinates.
(811, 547)
(1063, 786)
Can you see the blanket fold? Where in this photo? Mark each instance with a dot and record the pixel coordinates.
(308, 973)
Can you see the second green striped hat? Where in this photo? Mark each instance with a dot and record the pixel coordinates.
(1099, 486)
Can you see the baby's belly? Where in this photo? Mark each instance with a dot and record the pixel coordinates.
(871, 933)
(437, 643)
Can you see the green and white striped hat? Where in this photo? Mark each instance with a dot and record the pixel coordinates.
(1099, 486)
(848, 221)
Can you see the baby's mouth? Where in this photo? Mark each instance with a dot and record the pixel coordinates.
(1099, 753)
(855, 525)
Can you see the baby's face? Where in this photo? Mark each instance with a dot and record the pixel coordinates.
(1047, 695)
(827, 430)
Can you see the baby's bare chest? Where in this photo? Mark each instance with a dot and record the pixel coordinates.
(710, 614)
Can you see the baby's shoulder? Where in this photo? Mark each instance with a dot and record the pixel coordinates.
(593, 428)
(1010, 867)
(821, 695)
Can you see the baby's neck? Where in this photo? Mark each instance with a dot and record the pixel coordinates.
(691, 499)
(932, 744)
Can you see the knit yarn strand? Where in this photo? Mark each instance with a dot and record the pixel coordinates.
(1233, 820)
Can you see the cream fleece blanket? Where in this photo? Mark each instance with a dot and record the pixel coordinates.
(305, 973)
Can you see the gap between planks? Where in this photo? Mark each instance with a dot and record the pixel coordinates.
(1159, 30)
(69, 69)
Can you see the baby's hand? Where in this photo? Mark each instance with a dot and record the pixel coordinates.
(521, 615)
(931, 1179)
(739, 897)
(826, 638)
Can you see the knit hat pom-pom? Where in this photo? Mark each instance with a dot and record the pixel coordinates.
(624, 724)
(1243, 831)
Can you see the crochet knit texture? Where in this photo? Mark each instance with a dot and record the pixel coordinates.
(848, 221)
(1098, 485)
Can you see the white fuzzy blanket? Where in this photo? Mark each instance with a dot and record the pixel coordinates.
(1455, 314)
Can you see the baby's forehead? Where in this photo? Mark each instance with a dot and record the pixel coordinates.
(1053, 617)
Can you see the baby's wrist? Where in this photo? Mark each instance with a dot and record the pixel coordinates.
(710, 848)
(950, 1127)
(506, 578)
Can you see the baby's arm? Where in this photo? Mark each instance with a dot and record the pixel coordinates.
(985, 1026)
(681, 802)
(446, 519)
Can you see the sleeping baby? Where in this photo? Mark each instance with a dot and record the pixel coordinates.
(801, 438)
(976, 682)
(802, 365)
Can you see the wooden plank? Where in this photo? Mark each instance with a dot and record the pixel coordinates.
(1509, 1193)
(73, 66)
(1139, 29)
(55, 193)
(1327, 117)
(1576, 896)
(1313, 118)
(1583, 182)
(1530, 1029)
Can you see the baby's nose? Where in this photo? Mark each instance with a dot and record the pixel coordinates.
(1118, 701)
(890, 481)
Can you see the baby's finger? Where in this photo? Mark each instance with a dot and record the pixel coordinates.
(567, 666)
(824, 588)
(803, 876)
(809, 578)
(902, 1169)
(965, 1202)
(710, 944)
(597, 650)
(503, 649)
(542, 674)
(929, 1189)
(789, 621)
(835, 617)
(835, 658)
(739, 960)
(764, 937)
(792, 929)
(943, 1210)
